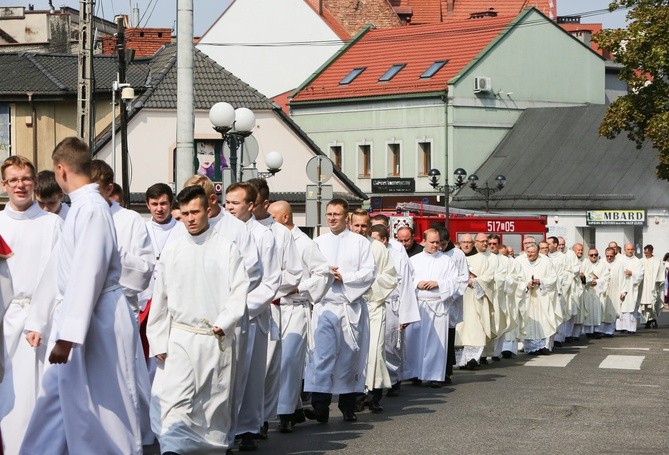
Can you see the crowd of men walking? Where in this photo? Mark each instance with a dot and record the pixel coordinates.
(201, 328)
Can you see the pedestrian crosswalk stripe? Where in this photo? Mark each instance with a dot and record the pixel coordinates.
(622, 362)
(665, 350)
(553, 360)
(628, 349)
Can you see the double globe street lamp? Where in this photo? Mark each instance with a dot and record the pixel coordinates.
(236, 127)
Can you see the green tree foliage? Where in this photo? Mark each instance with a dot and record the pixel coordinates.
(643, 50)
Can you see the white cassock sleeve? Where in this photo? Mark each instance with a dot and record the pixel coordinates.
(259, 298)
(408, 304)
(449, 284)
(249, 252)
(137, 260)
(159, 323)
(320, 279)
(6, 294)
(95, 245)
(291, 266)
(356, 282)
(235, 301)
(44, 298)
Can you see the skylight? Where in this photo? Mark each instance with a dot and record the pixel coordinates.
(432, 70)
(352, 75)
(392, 71)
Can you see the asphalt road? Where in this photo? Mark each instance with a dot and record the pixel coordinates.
(603, 396)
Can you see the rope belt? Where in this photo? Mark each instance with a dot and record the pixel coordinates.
(209, 330)
(432, 310)
(23, 303)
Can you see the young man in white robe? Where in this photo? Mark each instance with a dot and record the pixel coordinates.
(539, 318)
(33, 234)
(629, 298)
(476, 328)
(377, 377)
(575, 259)
(295, 309)
(650, 298)
(240, 199)
(564, 282)
(436, 285)
(137, 263)
(340, 322)
(88, 397)
(199, 297)
(48, 194)
(401, 308)
(291, 273)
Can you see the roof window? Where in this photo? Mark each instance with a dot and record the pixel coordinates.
(392, 71)
(355, 72)
(432, 70)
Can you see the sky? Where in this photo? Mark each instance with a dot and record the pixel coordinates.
(162, 13)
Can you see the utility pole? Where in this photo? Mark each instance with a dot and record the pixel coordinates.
(185, 118)
(120, 51)
(85, 81)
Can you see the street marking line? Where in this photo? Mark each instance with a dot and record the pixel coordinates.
(622, 362)
(646, 385)
(553, 360)
(665, 350)
(628, 349)
(580, 347)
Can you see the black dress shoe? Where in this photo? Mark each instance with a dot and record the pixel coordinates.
(263, 431)
(557, 344)
(436, 384)
(298, 417)
(375, 407)
(285, 424)
(415, 381)
(473, 364)
(496, 359)
(248, 443)
(507, 354)
(170, 453)
(360, 405)
(317, 416)
(483, 361)
(349, 416)
(544, 351)
(448, 380)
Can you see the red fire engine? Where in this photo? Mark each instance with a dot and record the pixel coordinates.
(511, 228)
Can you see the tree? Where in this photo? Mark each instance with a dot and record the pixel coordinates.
(643, 50)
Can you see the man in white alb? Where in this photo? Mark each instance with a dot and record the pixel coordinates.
(632, 271)
(199, 297)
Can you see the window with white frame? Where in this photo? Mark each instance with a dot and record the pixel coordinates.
(364, 160)
(394, 160)
(336, 155)
(424, 157)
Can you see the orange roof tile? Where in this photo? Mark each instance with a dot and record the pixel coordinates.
(417, 46)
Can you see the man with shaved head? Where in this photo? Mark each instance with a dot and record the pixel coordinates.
(574, 259)
(295, 313)
(632, 278)
(405, 237)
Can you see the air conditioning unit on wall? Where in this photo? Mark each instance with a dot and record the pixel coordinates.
(482, 85)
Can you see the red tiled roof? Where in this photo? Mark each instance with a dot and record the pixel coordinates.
(282, 100)
(330, 21)
(417, 46)
(433, 11)
(592, 28)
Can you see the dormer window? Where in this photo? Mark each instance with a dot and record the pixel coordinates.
(352, 75)
(432, 70)
(392, 71)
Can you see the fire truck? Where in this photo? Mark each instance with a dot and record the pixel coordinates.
(512, 229)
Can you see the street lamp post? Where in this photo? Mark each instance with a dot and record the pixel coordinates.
(486, 191)
(273, 161)
(234, 125)
(459, 174)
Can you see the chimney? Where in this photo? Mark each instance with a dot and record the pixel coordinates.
(450, 6)
(135, 16)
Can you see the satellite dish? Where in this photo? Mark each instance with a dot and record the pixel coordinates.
(319, 169)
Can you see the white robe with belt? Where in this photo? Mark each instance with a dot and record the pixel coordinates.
(89, 404)
(340, 322)
(539, 318)
(32, 235)
(200, 283)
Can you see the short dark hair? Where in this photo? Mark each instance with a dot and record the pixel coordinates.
(117, 191)
(261, 186)
(192, 192)
(18, 161)
(553, 239)
(101, 172)
(494, 236)
(159, 189)
(649, 247)
(46, 185)
(251, 192)
(74, 153)
(381, 230)
(444, 235)
(381, 217)
(340, 202)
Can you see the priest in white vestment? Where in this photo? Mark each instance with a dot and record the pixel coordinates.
(651, 299)
(596, 274)
(33, 234)
(436, 285)
(295, 308)
(88, 398)
(199, 297)
(539, 318)
(629, 297)
(340, 322)
(516, 304)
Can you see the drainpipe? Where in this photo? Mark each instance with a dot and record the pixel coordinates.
(33, 120)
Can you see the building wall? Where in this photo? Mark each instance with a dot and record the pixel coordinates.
(276, 65)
